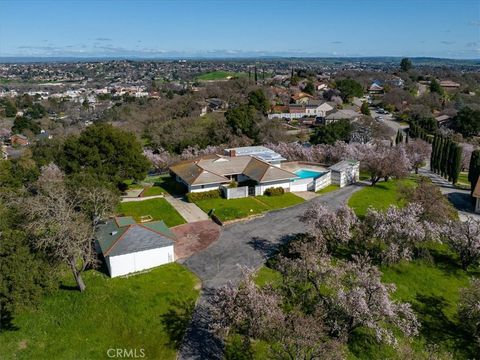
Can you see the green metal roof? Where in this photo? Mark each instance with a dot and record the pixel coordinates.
(108, 234)
(160, 227)
(124, 221)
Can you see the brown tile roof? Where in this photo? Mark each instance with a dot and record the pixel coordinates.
(214, 170)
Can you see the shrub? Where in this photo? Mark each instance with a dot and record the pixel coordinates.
(274, 191)
(204, 195)
(233, 184)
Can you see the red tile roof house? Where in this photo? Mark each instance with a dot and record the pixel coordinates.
(129, 247)
(19, 139)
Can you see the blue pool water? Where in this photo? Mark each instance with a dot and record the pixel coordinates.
(306, 173)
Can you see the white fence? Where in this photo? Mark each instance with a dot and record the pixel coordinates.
(235, 193)
(323, 181)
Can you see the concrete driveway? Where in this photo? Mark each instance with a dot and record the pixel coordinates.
(460, 199)
(189, 211)
(242, 244)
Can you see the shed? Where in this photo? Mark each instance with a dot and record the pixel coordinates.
(345, 172)
(129, 247)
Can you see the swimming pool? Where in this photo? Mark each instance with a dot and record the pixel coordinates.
(307, 173)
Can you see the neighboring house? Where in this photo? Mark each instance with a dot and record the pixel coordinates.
(19, 139)
(313, 108)
(260, 152)
(343, 114)
(449, 85)
(212, 171)
(44, 136)
(301, 98)
(216, 104)
(443, 119)
(375, 88)
(129, 247)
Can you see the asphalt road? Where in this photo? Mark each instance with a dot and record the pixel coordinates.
(248, 244)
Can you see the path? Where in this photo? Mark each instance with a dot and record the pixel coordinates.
(460, 198)
(249, 244)
(189, 211)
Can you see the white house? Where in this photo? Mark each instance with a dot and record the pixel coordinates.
(129, 247)
(212, 171)
(345, 172)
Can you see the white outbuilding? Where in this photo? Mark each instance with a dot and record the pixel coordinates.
(129, 247)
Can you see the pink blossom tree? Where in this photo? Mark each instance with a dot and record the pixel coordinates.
(418, 151)
(464, 238)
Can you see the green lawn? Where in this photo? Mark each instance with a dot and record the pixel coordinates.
(380, 196)
(328, 189)
(215, 75)
(159, 209)
(153, 190)
(240, 208)
(147, 311)
(166, 184)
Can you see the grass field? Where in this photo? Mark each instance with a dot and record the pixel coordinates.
(241, 208)
(145, 311)
(215, 75)
(380, 196)
(159, 209)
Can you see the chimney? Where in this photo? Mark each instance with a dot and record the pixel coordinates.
(233, 153)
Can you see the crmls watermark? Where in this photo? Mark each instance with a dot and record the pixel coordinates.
(126, 353)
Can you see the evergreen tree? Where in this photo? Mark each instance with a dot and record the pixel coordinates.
(474, 169)
(433, 154)
(440, 155)
(255, 75)
(457, 163)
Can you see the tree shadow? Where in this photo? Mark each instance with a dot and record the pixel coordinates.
(68, 287)
(437, 328)
(6, 322)
(461, 201)
(176, 320)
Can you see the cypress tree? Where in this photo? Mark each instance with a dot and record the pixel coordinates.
(457, 163)
(450, 157)
(474, 169)
(407, 137)
(433, 153)
(441, 146)
(255, 74)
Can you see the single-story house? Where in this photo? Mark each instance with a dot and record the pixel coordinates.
(449, 84)
(443, 119)
(212, 171)
(19, 139)
(301, 98)
(342, 114)
(375, 88)
(129, 247)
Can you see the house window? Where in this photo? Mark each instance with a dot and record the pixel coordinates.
(203, 186)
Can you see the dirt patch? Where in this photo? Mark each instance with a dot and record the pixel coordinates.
(194, 237)
(22, 345)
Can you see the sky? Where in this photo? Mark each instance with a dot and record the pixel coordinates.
(234, 28)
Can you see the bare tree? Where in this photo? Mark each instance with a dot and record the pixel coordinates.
(63, 221)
